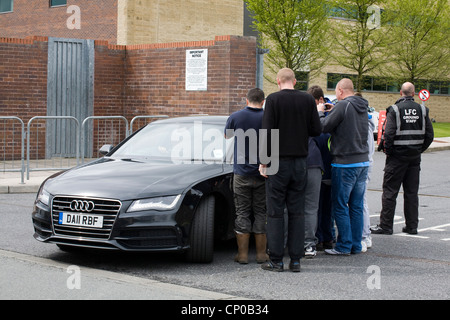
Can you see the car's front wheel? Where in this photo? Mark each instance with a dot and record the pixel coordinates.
(202, 233)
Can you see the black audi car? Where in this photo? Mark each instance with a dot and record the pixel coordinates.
(167, 187)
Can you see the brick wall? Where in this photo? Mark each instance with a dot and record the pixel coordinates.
(131, 80)
(23, 89)
(23, 77)
(98, 20)
(155, 77)
(125, 21)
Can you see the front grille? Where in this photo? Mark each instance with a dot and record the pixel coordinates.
(109, 209)
(154, 238)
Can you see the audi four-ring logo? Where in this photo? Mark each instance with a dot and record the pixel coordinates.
(82, 205)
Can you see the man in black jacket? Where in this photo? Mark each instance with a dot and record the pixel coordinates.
(408, 133)
(293, 116)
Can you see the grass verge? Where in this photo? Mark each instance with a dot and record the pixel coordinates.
(441, 129)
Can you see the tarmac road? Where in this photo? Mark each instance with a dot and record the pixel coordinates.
(399, 266)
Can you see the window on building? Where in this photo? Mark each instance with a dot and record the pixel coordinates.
(345, 12)
(393, 86)
(380, 84)
(445, 88)
(55, 3)
(302, 80)
(6, 5)
(420, 84)
(334, 78)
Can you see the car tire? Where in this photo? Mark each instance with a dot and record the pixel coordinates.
(202, 233)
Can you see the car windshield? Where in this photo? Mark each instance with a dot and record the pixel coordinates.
(177, 142)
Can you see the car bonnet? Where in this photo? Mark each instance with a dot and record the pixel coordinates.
(126, 180)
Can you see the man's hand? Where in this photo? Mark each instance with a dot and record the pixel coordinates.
(262, 170)
(321, 107)
(325, 107)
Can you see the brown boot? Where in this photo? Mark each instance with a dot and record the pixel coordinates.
(242, 242)
(261, 245)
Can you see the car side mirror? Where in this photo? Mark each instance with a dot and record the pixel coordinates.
(105, 149)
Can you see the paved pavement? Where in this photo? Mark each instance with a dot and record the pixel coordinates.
(11, 182)
(56, 280)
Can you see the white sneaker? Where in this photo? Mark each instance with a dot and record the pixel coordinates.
(334, 252)
(368, 242)
(310, 252)
(363, 246)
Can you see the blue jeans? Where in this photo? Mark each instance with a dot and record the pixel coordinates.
(348, 188)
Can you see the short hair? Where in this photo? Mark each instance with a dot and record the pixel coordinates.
(408, 89)
(346, 84)
(286, 75)
(316, 92)
(255, 95)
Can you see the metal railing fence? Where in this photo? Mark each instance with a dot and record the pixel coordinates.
(47, 152)
(32, 140)
(8, 146)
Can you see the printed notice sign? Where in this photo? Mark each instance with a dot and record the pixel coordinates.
(197, 70)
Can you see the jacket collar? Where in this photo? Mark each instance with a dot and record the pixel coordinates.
(403, 99)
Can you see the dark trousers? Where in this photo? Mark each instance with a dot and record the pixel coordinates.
(324, 225)
(399, 172)
(250, 202)
(286, 189)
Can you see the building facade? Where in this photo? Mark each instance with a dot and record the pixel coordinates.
(137, 22)
(124, 22)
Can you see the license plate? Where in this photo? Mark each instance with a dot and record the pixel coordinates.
(80, 219)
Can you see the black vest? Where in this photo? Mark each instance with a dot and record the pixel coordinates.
(410, 118)
(410, 123)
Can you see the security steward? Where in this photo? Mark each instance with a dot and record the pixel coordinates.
(408, 133)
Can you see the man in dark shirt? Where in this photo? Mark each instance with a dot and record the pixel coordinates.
(408, 133)
(248, 185)
(293, 116)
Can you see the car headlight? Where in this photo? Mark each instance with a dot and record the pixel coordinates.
(158, 203)
(44, 197)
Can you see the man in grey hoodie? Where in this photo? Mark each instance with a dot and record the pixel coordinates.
(347, 124)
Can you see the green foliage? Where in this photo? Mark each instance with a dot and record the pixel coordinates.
(359, 45)
(293, 31)
(420, 45)
(411, 42)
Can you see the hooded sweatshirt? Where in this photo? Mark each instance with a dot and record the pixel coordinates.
(348, 126)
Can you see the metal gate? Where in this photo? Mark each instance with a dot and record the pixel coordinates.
(70, 92)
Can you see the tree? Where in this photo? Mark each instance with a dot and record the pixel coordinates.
(359, 40)
(420, 46)
(293, 31)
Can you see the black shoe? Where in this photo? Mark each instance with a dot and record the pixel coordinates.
(321, 246)
(328, 244)
(294, 265)
(408, 230)
(272, 266)
(379, 230)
